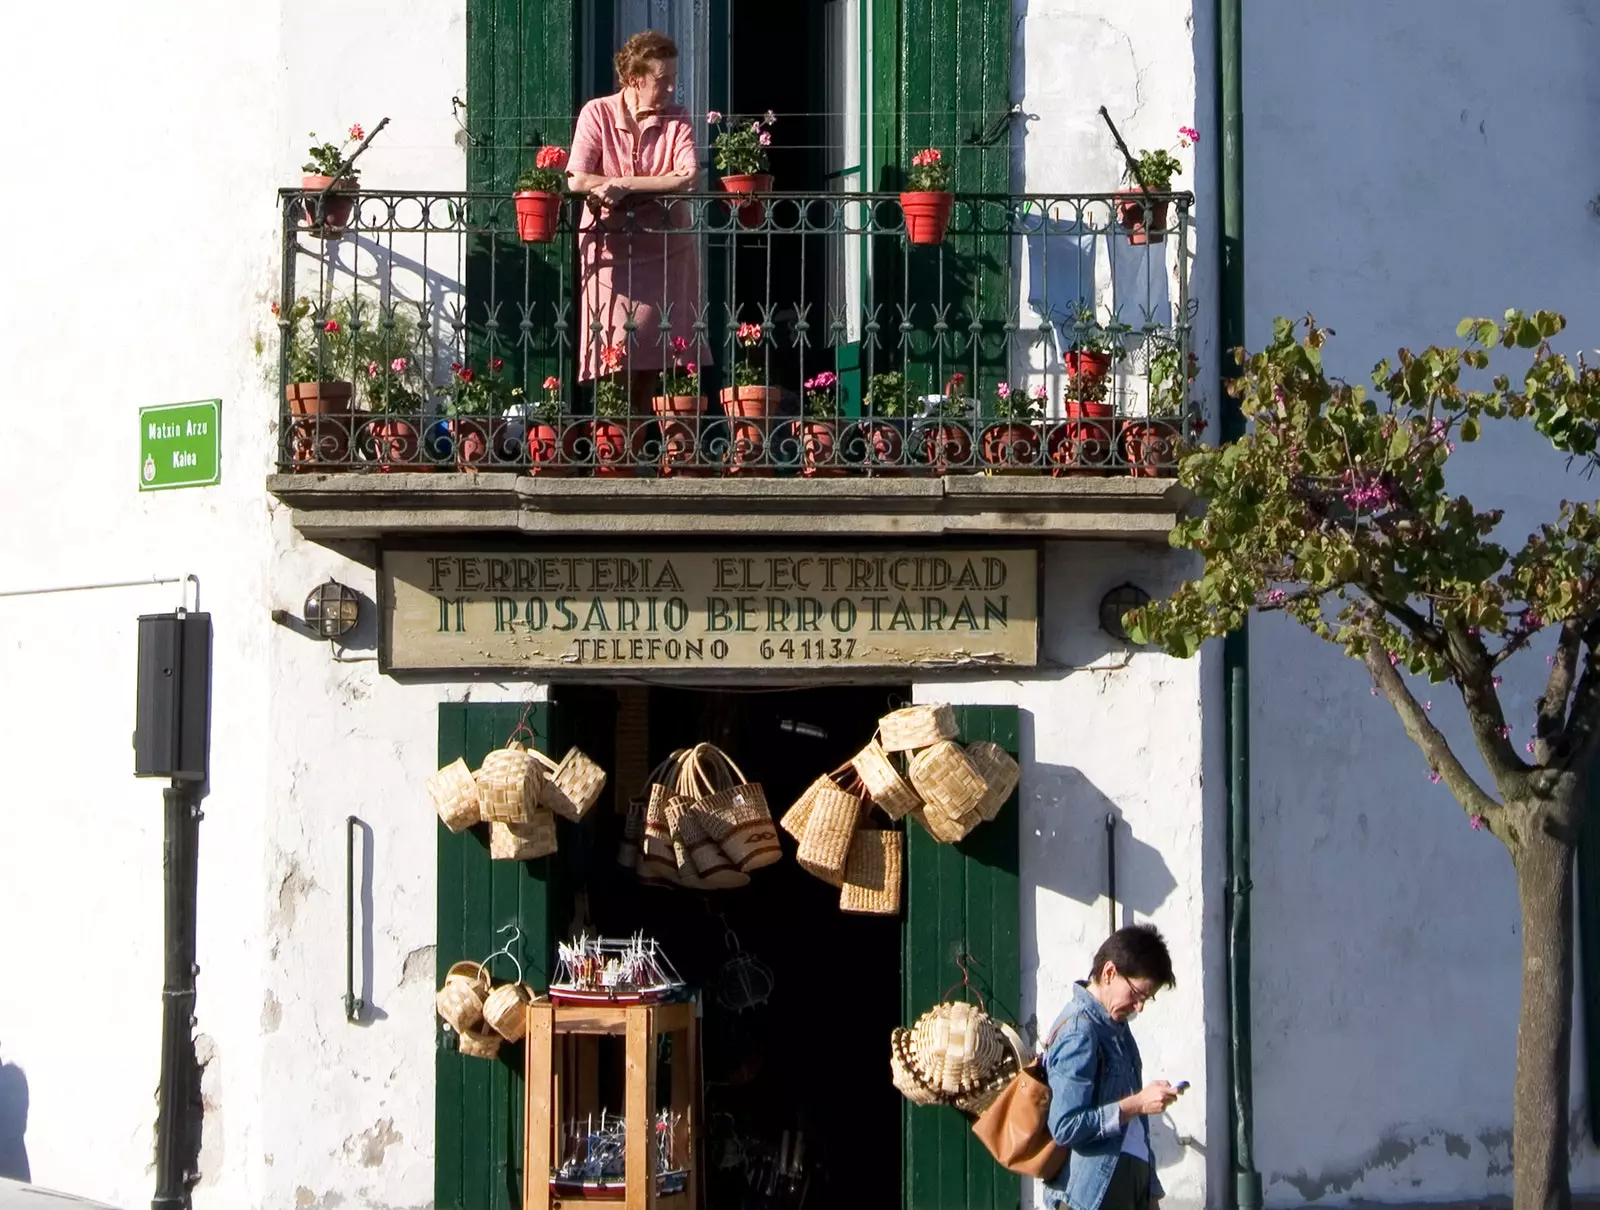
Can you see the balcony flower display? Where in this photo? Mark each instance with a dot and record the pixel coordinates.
(680, 396)
(329, 181)
(749, 399)
(1013, 439)
(1172, 414)
(1145, 219)
(927, 201)
(1094, 349)
(739, 150)
(818, 429)
(610, 433)
(538, 195)
(475, 401)
(884, 429)
(946, 438)
(543, 420)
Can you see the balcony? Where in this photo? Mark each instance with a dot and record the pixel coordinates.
(1029, 373)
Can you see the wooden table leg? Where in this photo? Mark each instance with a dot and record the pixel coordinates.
(641, 1079)
(538, 1123)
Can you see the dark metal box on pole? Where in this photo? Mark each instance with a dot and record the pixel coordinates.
(174, 696)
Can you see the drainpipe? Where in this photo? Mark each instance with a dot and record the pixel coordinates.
(1246, 1191)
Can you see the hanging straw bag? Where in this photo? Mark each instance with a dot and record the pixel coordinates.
(830, 827)
(571, 787)
(956, 1048)
(949, 783)
(999, 772)
(916, 727)
(1015, 1127)
(706, 864)
(658, 860)
(873, 873)
(508, 785)
(905, 1079)
(944, 829)
(479, 1044)
(506, 1010)
(460, 1001)
(884, 784)
(523, 841)
(733, 810)
(794, 819)
(455, 795)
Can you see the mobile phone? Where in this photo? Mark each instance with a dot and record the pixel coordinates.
(1181, 1086)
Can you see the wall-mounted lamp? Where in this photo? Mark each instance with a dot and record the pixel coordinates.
(1117, 602)
(331, 612)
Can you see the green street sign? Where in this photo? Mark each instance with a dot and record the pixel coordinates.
(180, 445)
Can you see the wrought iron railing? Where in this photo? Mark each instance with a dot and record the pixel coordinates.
(1044, 334)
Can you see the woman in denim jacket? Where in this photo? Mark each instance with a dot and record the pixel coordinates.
(1099, 1103)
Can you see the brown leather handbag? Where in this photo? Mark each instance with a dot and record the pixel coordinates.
(1016, 1127)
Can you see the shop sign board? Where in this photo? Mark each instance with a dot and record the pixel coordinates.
(180, 445)
(709, 610)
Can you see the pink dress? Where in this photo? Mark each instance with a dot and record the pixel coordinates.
(631, 266)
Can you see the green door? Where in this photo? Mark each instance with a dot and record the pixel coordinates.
(478, 1103)
(963, 900)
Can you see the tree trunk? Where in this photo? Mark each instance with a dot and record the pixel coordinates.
(1544, 1029)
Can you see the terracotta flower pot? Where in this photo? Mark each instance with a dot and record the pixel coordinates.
(321, 434)
(753, 213)
(333, 217)
(819, 448)
(1011, 444)
(679, 438)
(750, 404)
(1131, 215)
(537, 215)
(394, 444)
(544, 450)
(604, 444)
(1083, 443)
(881, 445)
(1085, 371)
(1151, 448)
(927, 215)
(469, 441)
(945, 445)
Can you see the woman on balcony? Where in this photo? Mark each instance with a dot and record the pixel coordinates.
(631, 264)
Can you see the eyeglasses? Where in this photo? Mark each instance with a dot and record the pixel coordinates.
(1142, 997)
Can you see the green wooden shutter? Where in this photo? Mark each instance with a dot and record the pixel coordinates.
(1589, 942)
(963, 898)
(478, 1103)
(521, 94)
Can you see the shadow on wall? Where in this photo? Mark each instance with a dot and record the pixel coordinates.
(13, 1123)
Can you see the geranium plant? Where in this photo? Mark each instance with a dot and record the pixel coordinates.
(546, 405)
(822, 396)
(1017, 406)
(1089, 335)
(610, 395)
(681, 377)
(392, 388)
(740, 145)
(328, 159)
(1155, 169)
(472, 392)
(929, 172)
(745, 371)
(954, 403)
(1172, 374)
(887, 396)
(548, 175)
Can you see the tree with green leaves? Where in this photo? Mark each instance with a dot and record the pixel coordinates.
(1334, 509)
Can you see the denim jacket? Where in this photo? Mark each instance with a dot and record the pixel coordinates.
(1092, 1063)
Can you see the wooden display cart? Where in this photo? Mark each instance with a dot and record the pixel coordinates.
(563, 1084)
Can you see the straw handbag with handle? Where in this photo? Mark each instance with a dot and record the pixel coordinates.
(506, 1010)
(999, 772)
(478, 1043)
(460, 1000)
(455, 795)
(794, 819)
(830, 827)
(658, 860)
(949, 783)
(732, 809)
(523, 841)
(942, 828)
(713, 868)
(916, 727)
(873, 873)
(571, 787)
(884, 784)
(508, 785)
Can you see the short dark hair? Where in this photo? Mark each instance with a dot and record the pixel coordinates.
(1139, 953)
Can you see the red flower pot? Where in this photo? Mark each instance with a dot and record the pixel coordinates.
(394, 443)
(947, 445)
(321, 432)
(537, 215)
(1151, 448)
(751, 214)
(603, 443)
(1131, 210)
(544, 450)
(1085, 371)
(1011, 444)
(469, 441)
(927, 215)
(883, 445)
(679, 438)
(750, 439)
(819, 448)
(1082, 444)
(327, 215)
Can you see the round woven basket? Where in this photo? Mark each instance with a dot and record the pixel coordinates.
(830, 827)
(916, 727)
(999, 772)
(506, 1010)
(455, 795)
(884, 784)
(524, 841)
(508, 785)
(1017, 1057)
(956, 1048)
(571, 787)
(873, 873)
(460, 1000)
(480, 1044)
(949, 783)
(913, 1089)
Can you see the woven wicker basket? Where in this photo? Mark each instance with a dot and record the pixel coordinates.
(479, 1044)
(831, 826)
(460, 1000)
(884, 784)
(912, 1088)
(732, 809)
(523, 841)
(956, 1048)
(998, 770)
(506, 1010)
(508, 785)
(916, 727)
(949, 783)
(708, 866)
(794, 819)
(944, 829)
(1017, 1057)
(571, 787)
(874, 872)
(455, 795)
(658, 861)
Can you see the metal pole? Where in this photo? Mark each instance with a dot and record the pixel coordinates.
(175, 1126)
(1111, 870)
(353, 1004)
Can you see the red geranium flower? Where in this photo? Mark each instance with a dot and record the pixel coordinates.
(331, 326)
(496, 364)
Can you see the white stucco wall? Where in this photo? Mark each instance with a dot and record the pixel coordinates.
(1405, 165)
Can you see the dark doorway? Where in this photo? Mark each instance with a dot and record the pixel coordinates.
(807, 1068)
